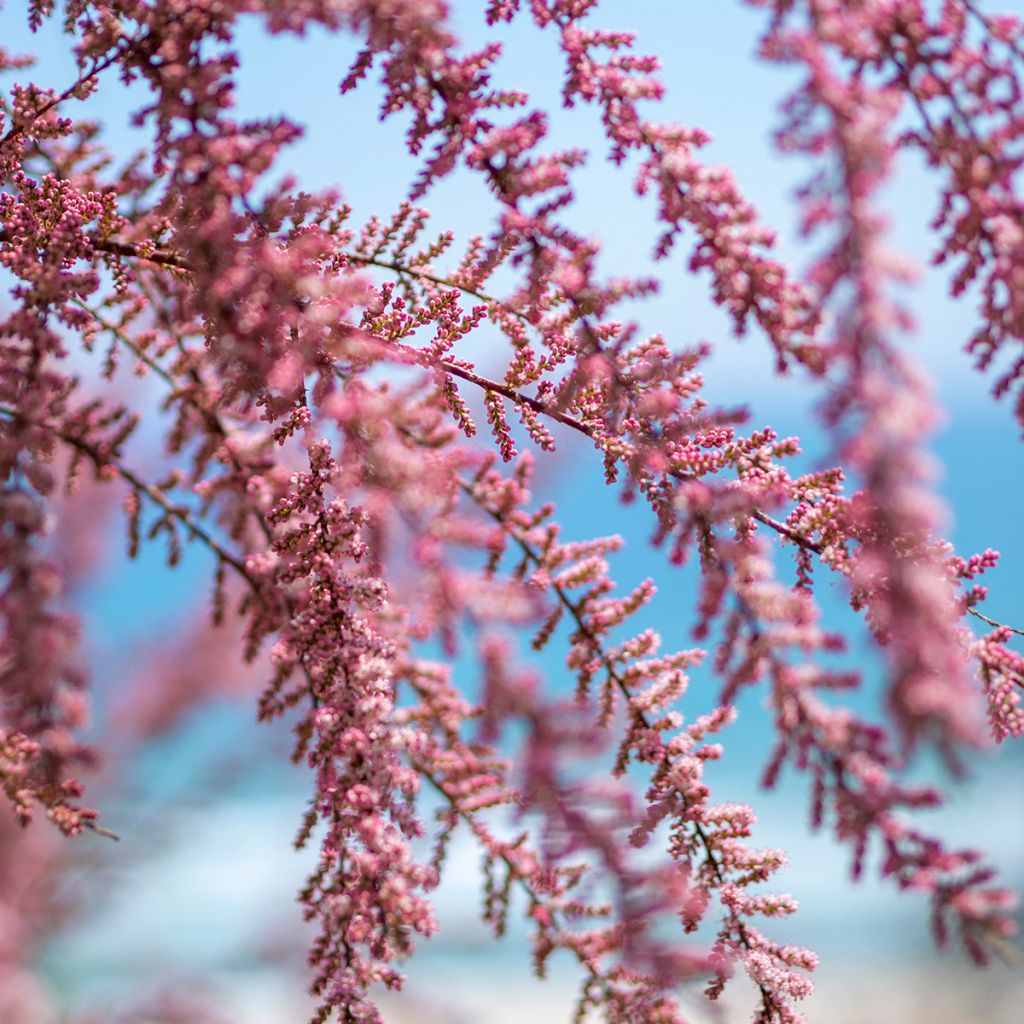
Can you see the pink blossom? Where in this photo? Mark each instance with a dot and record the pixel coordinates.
(319, 440)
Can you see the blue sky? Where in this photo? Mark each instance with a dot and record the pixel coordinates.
(180, 902)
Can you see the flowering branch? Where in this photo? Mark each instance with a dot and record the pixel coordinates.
(318, 445)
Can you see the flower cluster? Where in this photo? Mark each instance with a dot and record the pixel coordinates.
(323, 396)
(1002, 671)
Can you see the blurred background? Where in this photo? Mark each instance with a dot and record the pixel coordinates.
(196, 904)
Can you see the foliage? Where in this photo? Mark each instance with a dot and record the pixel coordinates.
(320, 427)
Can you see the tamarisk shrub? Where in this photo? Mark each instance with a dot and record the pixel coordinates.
(367, 489)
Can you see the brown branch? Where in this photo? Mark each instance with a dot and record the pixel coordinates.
(444, 282)
(168, 258)
(209, 414)
(128, 250)
(19, 128)
(92, 826)
(993, 623)
(102, 460)
(164, 257)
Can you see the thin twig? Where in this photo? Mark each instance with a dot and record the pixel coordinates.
(20, 127)
(102, 460)
(444, 282)
(992, 622)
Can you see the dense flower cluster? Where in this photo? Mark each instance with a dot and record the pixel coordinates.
(319, 424)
